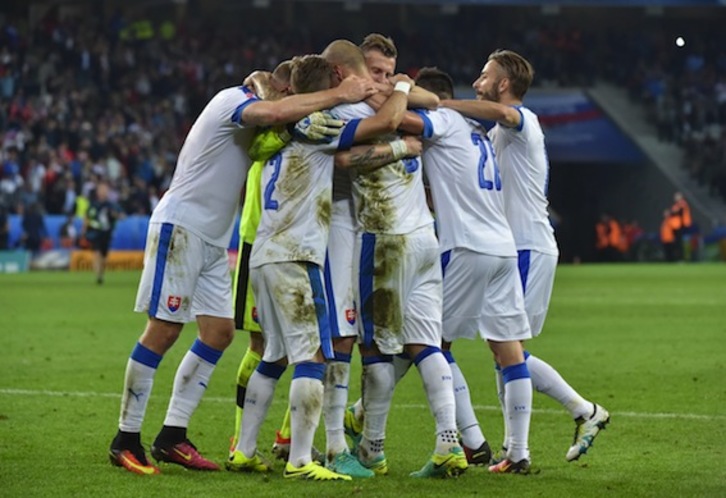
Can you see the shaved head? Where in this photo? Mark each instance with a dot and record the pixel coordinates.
(347, 55)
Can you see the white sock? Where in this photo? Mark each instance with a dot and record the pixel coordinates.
(466, 421)
(437, 380)
(190, 383)
(500, 396)
(138, 381)
(306, 403)
(547, 380)
(518, 402)
(378, 384)
(260, 390)
(337, 376)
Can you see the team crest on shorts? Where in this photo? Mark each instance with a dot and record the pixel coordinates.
(350, 315)
(173, 303)
(254, 314)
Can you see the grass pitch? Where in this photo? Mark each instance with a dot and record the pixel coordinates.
(646, 341)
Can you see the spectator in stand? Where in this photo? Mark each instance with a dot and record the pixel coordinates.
(4, 228)
(68, 234)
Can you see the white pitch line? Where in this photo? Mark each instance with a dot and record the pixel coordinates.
(488, 408)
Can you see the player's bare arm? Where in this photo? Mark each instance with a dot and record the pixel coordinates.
(389, 116)
(296, 107)
(419, 98)
(367, 157)
(480, 109)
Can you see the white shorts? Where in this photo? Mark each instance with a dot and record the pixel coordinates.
(339, 286)
(184, 276)
(482, 296)
(399, 288)
(537, 274)
(292, 310)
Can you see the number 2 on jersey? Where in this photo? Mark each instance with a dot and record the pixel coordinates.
(485, 148)
(275, 162)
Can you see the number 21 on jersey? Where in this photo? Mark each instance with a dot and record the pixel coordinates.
(485, 149)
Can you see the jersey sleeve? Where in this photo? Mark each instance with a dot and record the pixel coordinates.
(236, 103)
(268, 142)
(437, 123)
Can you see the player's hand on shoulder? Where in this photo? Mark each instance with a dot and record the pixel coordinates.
(402, 77)
(414, 145)
(355, 89)
(320, 126)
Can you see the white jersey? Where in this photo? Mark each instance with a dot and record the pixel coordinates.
(467, 190)
(211, 170)
(390, 199)
(296, 188)
(525, 175)
(342, 191)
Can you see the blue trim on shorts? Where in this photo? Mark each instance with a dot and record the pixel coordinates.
(381, 358)
(523, 258)
(341, 357)
(445, 260)
(449, 356)
(145, 356)
(310, 370)
(515, 372)
(321, 310)
(332, 306)
(167, 229)
(425, 353)
(367, 269)
(272, 370)
(206, 352)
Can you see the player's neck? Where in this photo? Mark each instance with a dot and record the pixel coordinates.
(509, 100)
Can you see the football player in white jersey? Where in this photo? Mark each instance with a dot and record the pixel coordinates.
(399, 291)
(520, 147)
(381, 54)
(347, 59)
(186, 273)
(482, 293)
(286, 267)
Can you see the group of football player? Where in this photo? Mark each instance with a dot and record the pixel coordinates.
(338, 248)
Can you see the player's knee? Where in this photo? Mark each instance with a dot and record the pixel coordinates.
(216, 332)
(160, 335)
(257, 343)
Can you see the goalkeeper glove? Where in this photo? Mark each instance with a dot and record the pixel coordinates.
(320, 126)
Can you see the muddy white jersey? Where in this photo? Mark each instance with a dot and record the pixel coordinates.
(211, 170)
(342, 191)
(465, 183)
(296, 188)
(525, 174)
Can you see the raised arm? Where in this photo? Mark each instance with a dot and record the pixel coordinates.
(419, 98)
(388, 117)
(506, 115)
(296, 107)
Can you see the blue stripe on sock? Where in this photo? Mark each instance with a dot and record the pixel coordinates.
(272, 370)
(161, 252)
(310, 370)
(342, 357)
(367, 255)
(321, 310)
(383, 358)
(145, 356)
(425, 353)
(205, 352)
(449, 356)
(332, 307)
(523, 258)
(514, 372)
(526, 354)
